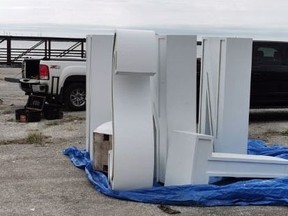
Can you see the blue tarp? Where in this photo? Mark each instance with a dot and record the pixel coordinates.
(227, 192)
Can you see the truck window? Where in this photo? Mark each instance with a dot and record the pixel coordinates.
(267, 56)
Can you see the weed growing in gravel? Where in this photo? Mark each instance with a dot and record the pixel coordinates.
(7, 111)
(284, 133)
(75, 119)
(10, 120)
(272, 132)
(4, 142)
(35, 138)
(52, 123)
(13, 141)
(276, 133)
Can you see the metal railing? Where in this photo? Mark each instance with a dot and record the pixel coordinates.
(13, 49)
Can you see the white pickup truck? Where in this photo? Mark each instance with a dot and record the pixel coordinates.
(60, 81)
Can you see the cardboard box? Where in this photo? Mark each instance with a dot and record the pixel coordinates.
(102, 144)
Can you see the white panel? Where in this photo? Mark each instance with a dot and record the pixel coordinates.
(210, 73)
(181, 82)
(175, 107)
(248, 166)
(136, 52)
(225, 92)
(98, 84)
(133, 146)
(133, 138)
(187, 160)
(234, 96)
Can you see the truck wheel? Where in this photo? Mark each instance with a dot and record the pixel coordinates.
(75, 96)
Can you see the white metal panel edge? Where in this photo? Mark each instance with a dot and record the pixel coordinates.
(98, 84)
(88, 89)
(160, 115)
(105, 128)
(234, 95)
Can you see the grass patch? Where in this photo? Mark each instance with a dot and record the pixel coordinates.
(284, 133)
(35, 138)
(10, 120)
(52, 123)
(73, 119)
(272, 132)
(5, 112)
(276, 133)
(14, 141)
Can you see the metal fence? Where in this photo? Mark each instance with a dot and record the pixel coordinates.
(13, 49)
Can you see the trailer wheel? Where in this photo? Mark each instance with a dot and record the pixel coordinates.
(75, 96)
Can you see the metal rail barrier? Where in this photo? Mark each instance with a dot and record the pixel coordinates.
(13, 49)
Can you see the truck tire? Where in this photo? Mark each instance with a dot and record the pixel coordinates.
(75, 96)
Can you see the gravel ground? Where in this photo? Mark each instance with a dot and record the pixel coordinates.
(269, 125)
(36, 179)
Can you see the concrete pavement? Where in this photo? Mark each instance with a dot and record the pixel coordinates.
(40, 180)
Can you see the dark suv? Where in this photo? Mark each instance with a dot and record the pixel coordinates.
(269, 77)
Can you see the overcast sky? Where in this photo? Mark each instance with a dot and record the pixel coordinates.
(256, 18)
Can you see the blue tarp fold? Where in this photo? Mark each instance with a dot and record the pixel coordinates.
(228, 192)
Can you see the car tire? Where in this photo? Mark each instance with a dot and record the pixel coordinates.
(75, 96)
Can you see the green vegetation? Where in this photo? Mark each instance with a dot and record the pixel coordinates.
(52, 123)
(35, 138)
(284, 133)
